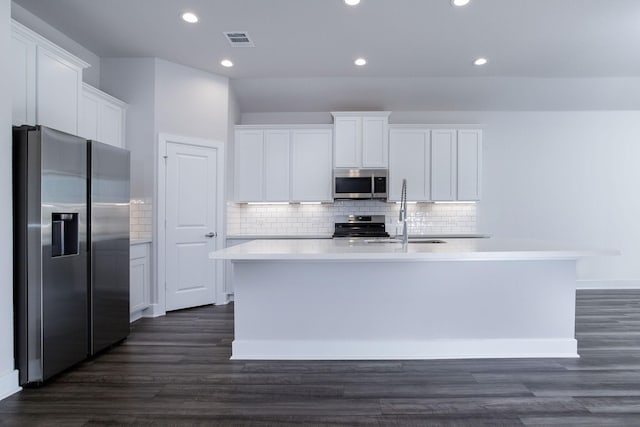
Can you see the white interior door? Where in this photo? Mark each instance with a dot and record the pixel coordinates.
(191, 217)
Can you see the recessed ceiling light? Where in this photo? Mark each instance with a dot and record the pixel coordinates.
(480, 61)
(190, 17)
(460, 3)
(351, 2)
(226, 63)
(360, 62)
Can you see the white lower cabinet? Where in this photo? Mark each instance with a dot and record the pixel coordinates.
(140, 279)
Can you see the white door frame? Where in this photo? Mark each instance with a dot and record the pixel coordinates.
(160, 230)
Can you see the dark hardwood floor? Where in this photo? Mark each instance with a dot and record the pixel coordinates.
(175, 370)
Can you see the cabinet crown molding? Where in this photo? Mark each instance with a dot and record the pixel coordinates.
(97, 92)
(282, 127)
(361, 113)
(29, 34)
(455, 126)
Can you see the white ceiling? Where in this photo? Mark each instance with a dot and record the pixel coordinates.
(312, 44)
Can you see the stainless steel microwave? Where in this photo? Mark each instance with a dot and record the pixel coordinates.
(359, 184)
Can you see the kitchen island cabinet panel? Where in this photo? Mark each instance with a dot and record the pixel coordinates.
(462, 298)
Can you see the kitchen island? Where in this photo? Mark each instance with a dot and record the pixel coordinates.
(357, 299)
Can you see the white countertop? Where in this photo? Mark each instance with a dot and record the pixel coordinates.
(329, 236)
(139, 241)
(458, 249)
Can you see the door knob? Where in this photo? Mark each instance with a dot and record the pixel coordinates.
(210, 235)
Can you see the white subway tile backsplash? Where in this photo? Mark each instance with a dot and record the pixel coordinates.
(141, 219)
(295, 219)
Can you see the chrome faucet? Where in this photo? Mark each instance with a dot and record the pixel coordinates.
(403, 213)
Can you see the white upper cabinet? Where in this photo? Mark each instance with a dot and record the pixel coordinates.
(282, 164)
(469, 164)
(443, 164)
(439, 164)
(409, 158)
(277, 147)
(311, 170)
(46, 80)
(361, 139)
(249, 165)
(102, 117)
(23, 76)
(347, 141)
(262, 165)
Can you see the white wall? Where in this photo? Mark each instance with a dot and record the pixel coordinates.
(90, 75)
(8, 375)
(191, 102)
(566, 176)
(570, 176)
(133, 81)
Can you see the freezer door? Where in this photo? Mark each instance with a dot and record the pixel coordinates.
(63, 279)
(109, 250)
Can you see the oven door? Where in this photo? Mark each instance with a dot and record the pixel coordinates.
(353, 187)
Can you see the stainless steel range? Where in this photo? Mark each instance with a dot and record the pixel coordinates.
(360, 226)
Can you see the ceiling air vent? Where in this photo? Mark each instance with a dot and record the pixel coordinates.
(239, 38)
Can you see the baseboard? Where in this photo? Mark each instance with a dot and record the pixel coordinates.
(9, 384)
(136, 315)
(153, 311)
(608, 284)
(403, 349)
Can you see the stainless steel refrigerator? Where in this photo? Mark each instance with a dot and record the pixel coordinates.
(71, 266)
(108, 245)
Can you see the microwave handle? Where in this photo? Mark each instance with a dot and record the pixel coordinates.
(373, 184)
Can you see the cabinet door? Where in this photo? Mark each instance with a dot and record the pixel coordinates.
(249, 166)
(140, 281)
(311, 166)
(348, 142)
(58, 92)
(89, 117)
(276, 166)
(409, 158)
(443, 164)
(375, 142)
(23, 81)
(111, 124)
(469, 164)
